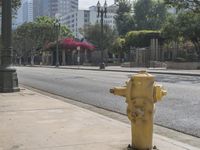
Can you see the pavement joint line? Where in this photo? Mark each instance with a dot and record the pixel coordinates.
(114, 70)
(33, 110)
(168, 132)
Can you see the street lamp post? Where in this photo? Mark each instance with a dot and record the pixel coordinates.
(8, 75)
(57, 27)
(102, 13)
(78, 57)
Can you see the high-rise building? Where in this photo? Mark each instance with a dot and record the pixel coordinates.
(76, 21)
(27, 11)
(40, 8)
(109, 20)
(46, 8)
(53, 7)
(67, 6)
(37, 8)
(62, 7)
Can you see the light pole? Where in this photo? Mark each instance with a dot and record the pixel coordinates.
(78, 58)
(102, 13)
(57, 28)
(8, 75)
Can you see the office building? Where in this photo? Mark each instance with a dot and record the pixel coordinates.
(53, 7)
(109, 20)
(40, 8)
(67, 6)
(62, 7)
(27, 11)
(76, 21)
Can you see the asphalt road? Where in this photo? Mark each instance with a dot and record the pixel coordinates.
(179, 110)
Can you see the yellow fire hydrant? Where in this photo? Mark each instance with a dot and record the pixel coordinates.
(141, 94)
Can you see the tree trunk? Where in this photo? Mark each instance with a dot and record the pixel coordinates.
(86, 57)
(32, 60)
(63, 57)
(20, 60)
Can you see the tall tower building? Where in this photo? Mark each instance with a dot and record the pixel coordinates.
(37, 8)
(40, 8)
(63, 7)
(67, 6)
(53, 7)
(27, 11)
(45, 8)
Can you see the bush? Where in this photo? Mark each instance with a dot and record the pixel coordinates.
(192, 57)
(180, 59)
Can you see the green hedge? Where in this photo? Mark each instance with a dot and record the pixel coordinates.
(141, 38)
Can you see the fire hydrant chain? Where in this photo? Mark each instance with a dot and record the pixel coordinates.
(141, 94)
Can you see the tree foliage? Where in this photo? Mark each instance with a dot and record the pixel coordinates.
(93, 34)
(16, 4)
(149, 14)
(32, 36)
(169, 30)
(140, 38)
(119, 47)
(185, 27)
(124, 19)
(193, 5)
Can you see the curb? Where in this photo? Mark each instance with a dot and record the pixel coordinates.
(128, 71)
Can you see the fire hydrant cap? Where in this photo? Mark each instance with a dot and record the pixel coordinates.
(143, 74)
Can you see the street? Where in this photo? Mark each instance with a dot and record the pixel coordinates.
(179, 110)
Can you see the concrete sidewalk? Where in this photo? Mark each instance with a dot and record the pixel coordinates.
(32, 121)
(133, 69)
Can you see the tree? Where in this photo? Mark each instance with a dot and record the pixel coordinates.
(118, 47)
(35, 35)
(193, 5)
(15, 5)
(185, 27)
(149, 14)
(170, 30)
(124, 19)
(49, 23)
(93, 34)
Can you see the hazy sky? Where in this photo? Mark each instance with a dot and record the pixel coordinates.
(85, 4)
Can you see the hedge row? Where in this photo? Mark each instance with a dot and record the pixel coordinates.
(141, 38)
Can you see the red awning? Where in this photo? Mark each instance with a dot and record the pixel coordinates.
(71, 44)
(85, 45)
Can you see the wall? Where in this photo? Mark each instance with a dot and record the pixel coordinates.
(183, 65)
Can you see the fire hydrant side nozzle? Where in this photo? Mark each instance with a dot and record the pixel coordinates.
(159, 92)
(141, 94)
(120, 91)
